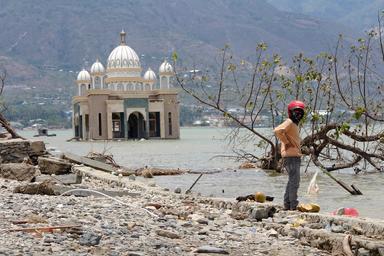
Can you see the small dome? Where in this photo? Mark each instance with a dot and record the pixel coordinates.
(83, 76)
(123, 56)
(150, 75)
(97, 67)
(165, 67)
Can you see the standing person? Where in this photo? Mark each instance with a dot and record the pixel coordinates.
(288, 134)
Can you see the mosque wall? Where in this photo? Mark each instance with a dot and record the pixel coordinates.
(98, 116)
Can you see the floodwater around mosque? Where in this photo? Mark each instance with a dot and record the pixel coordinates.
(198, 149)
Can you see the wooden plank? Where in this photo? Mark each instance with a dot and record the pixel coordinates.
(89, 162)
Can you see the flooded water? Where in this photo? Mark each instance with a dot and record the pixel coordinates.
(197, 150)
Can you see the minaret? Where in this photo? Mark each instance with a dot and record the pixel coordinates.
(97, 73)
(83, 82)
(165, 74)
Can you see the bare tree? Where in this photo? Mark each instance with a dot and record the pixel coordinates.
(344, 123)
(3, 121)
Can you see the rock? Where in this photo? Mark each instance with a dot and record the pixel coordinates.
(37, 148)
(43, 188)
(177, 190)
(202, 221)
(17, 171)
(315, 225)
(363, 252)
(132, 177)
(89, 239)
(381, 251)
(337, 229)
(272, 233)
(168, 234)
(50, 165)
(134, 254)
(260, 213)
(14, 150)
(210, 249)
(202, 232)
(146, 173)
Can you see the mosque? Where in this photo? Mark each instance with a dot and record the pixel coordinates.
(118, 103)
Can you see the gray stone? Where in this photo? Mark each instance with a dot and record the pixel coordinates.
(65, 179)
(202, 221)
(17, 171)
(134, 254)
(211, 249)
(315, 225)
(168, 234)
(259, 213)
(381, 251)
(177, 190)
(337, 228)
(14, 150)
(363, 252)
(132, 177)
(43, 188)
(272, 233)
(54, 165)
(37, 148)
(89, 239)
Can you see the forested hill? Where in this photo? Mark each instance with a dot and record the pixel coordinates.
(43, 43)
(68, 34)
(359, 14)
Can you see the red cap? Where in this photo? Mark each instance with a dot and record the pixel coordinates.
(295, 104)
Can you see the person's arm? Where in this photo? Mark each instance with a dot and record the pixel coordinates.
(281, 133)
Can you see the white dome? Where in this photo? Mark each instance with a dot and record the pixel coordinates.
(165, 67)
(150, 75)
(83, 76)
(97, 67)
(123, 56)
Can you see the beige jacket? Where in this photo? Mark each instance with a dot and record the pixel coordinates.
(288, 134)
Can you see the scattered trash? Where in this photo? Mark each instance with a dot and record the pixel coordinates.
(313, 188)
(352, 212)
(308, 207)
(260, 197)
(252, 197)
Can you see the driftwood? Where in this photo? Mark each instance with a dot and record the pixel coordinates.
(158, 171)
(108, 159)
(353, 190)
(50, 229)
(194, 183)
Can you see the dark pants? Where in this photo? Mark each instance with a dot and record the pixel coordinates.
(292, 166)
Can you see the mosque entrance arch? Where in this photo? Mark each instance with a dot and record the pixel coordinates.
(136, 126)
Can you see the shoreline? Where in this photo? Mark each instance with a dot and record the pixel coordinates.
(128, 216)
(179, 224)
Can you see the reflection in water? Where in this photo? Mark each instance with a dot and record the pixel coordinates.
(196, 150)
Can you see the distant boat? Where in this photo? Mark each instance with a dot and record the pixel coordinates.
(43, 132)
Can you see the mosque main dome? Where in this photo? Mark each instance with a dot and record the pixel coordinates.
(123, 57)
